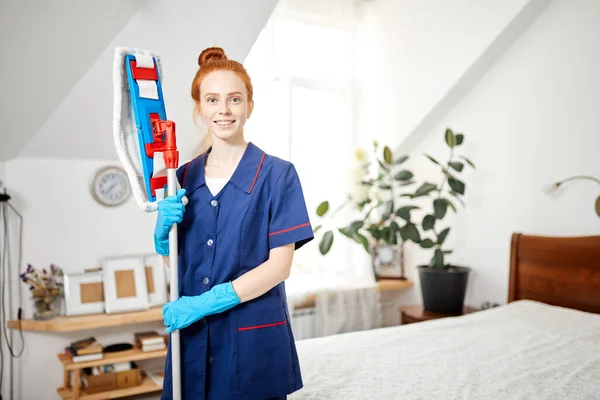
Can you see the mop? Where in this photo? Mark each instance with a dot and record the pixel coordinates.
(141, 131)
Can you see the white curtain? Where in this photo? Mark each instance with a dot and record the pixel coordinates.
(347, 311)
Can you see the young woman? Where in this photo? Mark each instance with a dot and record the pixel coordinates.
(245, 217)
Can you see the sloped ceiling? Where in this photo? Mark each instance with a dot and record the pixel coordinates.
(47, 47)
(57, 99)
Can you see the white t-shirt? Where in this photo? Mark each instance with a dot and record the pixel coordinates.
(215, 185)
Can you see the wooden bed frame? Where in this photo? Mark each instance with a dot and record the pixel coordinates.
(561, 271)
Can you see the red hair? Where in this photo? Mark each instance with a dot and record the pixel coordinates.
(214, 59)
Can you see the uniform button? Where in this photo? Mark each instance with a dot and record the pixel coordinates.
(203, 321)
(209, 242)
(210, 359)
(205, 280)
(214, 203)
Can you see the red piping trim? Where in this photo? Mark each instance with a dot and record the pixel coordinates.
(289, 229)
(248, 328)
(257, 171)
(185, 173)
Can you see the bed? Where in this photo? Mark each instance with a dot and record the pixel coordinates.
(544, 343)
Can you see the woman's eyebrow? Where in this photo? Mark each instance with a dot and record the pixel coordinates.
(216, 94)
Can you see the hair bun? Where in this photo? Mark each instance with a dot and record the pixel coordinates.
(211, 54)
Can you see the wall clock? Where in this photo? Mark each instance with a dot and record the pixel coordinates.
(110, 186)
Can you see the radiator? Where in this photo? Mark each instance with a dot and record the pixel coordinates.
(303, 323)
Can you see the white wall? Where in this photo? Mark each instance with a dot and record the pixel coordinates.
(64, 225)
(410, 54)
(2, 171)
(533, 119)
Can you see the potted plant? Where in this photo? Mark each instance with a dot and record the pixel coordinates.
(380, 219)
(443, 285)
(46, 290)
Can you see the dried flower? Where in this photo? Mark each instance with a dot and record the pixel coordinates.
(45, 284)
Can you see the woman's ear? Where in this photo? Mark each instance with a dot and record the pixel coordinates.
(250, 108)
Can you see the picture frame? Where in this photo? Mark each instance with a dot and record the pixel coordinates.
(125, 286)
(388, 261)
(84, 293)
(156, 279)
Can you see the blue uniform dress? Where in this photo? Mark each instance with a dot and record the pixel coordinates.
(247, 352)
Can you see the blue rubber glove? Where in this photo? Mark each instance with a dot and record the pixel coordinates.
(186, 310)
(170, 211)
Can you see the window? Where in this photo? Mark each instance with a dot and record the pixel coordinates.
(302, 67)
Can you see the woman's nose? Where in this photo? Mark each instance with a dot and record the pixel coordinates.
(224, 109)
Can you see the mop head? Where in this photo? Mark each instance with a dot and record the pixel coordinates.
(127, 132)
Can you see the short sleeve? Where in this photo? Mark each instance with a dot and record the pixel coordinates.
(289, 222)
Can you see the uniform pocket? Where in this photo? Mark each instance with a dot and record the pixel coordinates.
(252, 228)
(266, 367)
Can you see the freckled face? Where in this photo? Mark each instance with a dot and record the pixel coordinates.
(224, 105)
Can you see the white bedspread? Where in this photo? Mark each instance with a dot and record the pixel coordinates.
(522, 350)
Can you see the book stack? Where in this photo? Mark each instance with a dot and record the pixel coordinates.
(87, 349)
(149, 341)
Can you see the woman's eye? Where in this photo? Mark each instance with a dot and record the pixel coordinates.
(236, 99)
(211, 100)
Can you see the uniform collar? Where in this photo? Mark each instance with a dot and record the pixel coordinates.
(244, 176)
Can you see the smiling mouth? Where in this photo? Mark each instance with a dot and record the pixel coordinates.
(224, 122)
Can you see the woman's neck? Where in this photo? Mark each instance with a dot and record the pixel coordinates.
(224, 158)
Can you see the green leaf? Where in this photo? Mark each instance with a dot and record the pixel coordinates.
(437, 261)
(432, 159)
(354, 227)
(456, 185)
(450, 138)
(459, 139)
(344, 232)
(450, 204)
(316, 228)
(382, 165)
(442, 236)
(326, 242)
(389, 209)
(387, 155)
(364, 241)
(376, 234)
(401, 159)
(385, 234)
(404, 212)
(427, 243)
(393, 233)
(322, 209)
(457, 165)
(403, 175)
(410, 232)
(428, 222)
(447, 251)
(439, 208)
(425, 189)
(469, 161)
(385, 187)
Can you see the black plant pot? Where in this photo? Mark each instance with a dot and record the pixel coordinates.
(444, 290)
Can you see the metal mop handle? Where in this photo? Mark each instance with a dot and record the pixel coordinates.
(171, 160)
(173, 269)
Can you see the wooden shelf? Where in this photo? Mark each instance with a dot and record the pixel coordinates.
(147, 386)
(134, 354)
(85, 322)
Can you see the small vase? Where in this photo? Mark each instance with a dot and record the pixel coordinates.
(45, 308)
